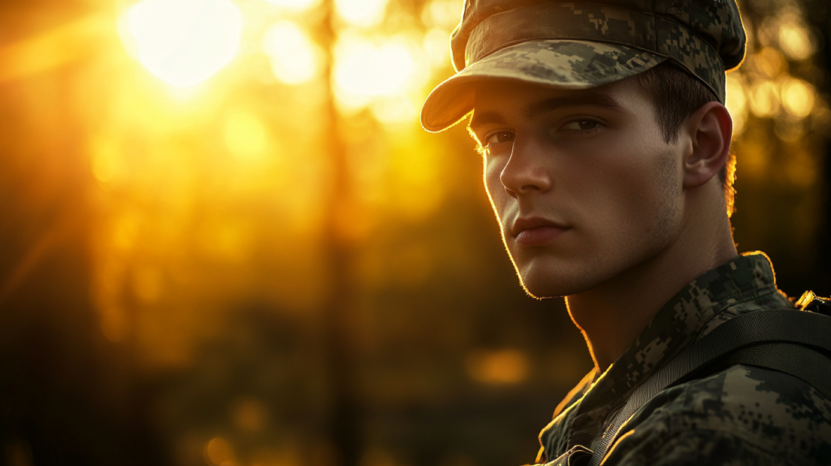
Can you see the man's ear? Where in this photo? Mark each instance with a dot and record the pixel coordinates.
(710, 130)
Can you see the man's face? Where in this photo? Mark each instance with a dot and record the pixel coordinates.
(583, 183)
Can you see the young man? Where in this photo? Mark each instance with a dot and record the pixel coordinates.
(606, 151)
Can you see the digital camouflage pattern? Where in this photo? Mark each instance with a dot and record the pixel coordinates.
(743, 415)
(571, 64)
(704, 37)
(664, 36)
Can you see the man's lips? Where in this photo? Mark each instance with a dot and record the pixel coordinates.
(533, 231)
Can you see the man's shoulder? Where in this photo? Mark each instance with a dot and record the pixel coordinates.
(554, 436)
(740, 412)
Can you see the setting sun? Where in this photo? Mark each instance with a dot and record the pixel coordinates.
(185, 42)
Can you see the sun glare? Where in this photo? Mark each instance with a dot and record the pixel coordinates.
(736, 103)
(294, 57)
(497, 367)
(246, 136)
(185, 42)
(795, 41)
(365, 70)
(295, 5)
(765, 99)
(797, 97)
(363, 13)
(442, 14)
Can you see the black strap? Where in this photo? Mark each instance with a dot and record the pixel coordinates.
(807, 364)
(751, 334)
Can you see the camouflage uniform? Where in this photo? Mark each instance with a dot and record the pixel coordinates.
(743, 415)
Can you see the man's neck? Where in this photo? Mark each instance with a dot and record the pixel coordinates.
(612, 315)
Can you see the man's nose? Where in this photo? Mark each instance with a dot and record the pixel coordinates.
(526, 171)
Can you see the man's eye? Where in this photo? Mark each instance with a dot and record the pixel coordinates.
(499, 138)
(581, 125)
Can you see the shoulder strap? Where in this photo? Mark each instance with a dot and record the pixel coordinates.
(805, 363)
(806, 330)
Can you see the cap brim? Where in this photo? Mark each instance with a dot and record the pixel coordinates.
(565, 64)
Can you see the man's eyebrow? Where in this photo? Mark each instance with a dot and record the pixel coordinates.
(592, 99)
(485, 118)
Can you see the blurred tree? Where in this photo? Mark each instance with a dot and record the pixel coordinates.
(782, 121)
(68, 396)
(819, 18)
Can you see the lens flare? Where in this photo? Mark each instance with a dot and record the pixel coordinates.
(497, 367)
(295, 5)
(362, 13)
(764, 102)
(736, 103)
(795, 41)
(246, 136)
(437, 48)
(365, 70)
(184, 42)
(294, 57)
(442, 14)
(798, 97)
(219, 451)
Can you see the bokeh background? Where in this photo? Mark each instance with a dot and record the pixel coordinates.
(226, 241)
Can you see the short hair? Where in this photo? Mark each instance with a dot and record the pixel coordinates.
(676, 94)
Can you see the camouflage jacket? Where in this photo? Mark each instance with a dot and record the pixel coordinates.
(740, 416)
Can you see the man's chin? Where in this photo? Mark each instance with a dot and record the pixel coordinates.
(542, 283)
(544, 288)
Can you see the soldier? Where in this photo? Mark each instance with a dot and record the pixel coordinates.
(606, 149)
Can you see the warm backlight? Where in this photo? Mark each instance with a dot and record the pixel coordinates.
(295, 5)
(764, 100)
(184, 42)
(363, 13)
(364, 70)
(246, 136)
(294, 57)
(497, 367)
(797, 97)
(795, 41)
(736, 103)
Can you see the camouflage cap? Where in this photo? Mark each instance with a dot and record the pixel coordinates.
(578, 45)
